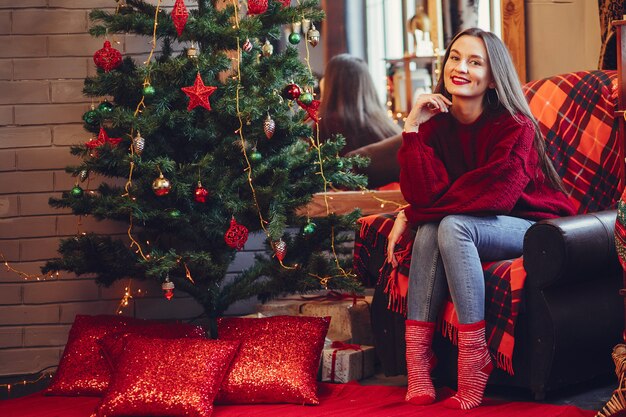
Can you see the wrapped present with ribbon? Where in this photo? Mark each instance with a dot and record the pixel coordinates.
(280, 307)
(350, 316)
(345, 362)
(350, 313)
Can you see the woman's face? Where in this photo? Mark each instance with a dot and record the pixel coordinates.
(467, 73)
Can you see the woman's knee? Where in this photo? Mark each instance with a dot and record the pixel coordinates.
(452, 229)
(426, 234)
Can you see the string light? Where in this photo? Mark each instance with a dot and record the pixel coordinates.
(125, 299)
(43, 374)
(25, 275)
(138, 110)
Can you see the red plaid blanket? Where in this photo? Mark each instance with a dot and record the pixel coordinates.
(575, 112)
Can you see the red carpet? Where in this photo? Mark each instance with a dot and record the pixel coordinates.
(349, 400)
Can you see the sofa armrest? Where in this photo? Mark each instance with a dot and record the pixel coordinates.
(571, 249)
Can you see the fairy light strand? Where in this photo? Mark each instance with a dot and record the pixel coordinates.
(25, 275)
(318, 147)
(43, 375)
(140, 106)
(127, 187)
(242, 138)
(125, 299)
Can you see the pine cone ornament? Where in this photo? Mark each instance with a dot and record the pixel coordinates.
(138, 144)
(269, 126)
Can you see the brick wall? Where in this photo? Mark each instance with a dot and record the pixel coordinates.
(45, 55)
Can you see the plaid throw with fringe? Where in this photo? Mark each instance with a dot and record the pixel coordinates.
(575, 112)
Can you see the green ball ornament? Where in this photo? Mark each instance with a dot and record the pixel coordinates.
(256, 156)
(175, 214)
(148, 91)
(309, 228)
(340, 164)
(294, 38)
(105, 107)
(77, 191)
(90, 117)
(306, 98)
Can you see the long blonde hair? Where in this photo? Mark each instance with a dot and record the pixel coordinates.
(507, 94)
(350, 104)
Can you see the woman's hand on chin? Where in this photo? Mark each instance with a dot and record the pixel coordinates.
(426, 106)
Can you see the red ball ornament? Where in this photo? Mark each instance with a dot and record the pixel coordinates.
(107, 58)
(179, 16)
(168, 289)
(200, 194)
(285, 3)
(257, 6)
(292, 91)
(236, 235)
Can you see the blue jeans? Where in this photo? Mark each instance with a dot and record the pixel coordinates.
(447, 256)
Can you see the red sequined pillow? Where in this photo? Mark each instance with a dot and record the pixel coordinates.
(167, 377)
(112, 345)
(83, 369)
(277, 361)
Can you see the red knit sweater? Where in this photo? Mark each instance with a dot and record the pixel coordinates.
(487, 167)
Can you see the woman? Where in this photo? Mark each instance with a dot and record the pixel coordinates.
(350, 105)
(474, 171)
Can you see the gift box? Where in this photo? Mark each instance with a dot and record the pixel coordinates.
(350, 315)
(280, 307)
(350, 319)
(344, 362)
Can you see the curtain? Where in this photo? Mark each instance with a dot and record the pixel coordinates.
(609, 10)
(457, 16)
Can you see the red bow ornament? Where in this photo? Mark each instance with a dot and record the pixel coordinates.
(311, 109)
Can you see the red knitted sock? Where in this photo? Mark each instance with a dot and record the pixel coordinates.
(420, 361)
(475, 366)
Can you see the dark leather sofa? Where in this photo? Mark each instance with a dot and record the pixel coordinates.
(570, 319)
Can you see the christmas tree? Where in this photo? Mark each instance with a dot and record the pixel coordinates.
(209, 139)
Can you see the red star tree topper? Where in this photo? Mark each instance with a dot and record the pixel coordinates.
(199, 94)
